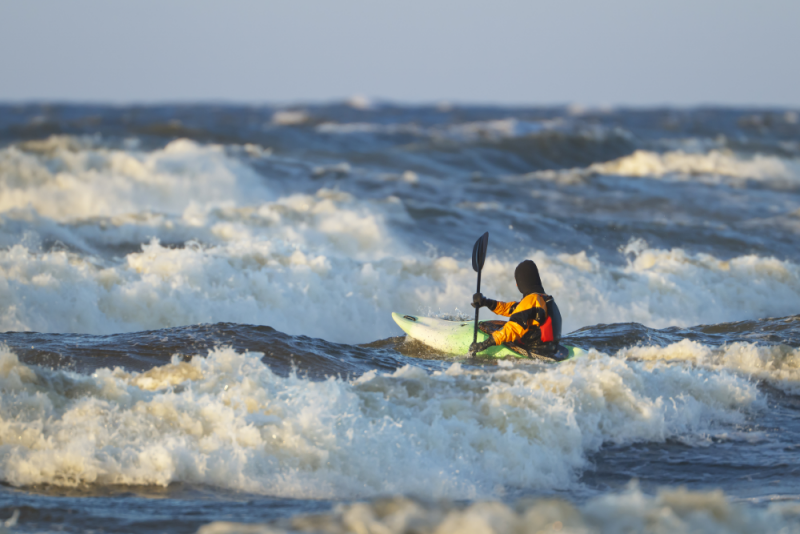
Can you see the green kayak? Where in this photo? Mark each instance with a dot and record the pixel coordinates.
(454, 337)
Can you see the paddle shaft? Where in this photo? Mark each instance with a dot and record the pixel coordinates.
(478, 257)
(475, 331)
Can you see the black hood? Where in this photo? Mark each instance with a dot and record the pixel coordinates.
(527, 276)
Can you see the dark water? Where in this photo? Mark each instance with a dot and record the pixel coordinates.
(197, 305)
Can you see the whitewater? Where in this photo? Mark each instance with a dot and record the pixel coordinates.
(196, 305)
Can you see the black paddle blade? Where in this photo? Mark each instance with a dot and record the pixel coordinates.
(479, 252)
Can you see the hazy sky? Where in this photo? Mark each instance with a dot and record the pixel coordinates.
(593, 52)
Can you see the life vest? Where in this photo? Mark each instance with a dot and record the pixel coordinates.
(552, 326)
(546, 330)
(550, 329)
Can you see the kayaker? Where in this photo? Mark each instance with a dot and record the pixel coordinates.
(529, 323)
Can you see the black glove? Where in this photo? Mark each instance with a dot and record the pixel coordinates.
(483, 345)
(479, 301)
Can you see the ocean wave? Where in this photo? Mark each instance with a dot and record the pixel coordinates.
(319, 221)
(289, 281)
(714, 167)
(500, 147)
(228, 421)
(478, 131)
(779, 365)
(714, 164)
(492, 130)
(301, 254)
(101, 240)
(67, 178)
(631, 510)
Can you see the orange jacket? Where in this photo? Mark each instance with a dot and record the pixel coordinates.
(513, 331)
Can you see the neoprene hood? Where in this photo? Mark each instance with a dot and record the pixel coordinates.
(527, 276)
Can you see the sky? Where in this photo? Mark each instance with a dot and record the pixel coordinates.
(586, 52)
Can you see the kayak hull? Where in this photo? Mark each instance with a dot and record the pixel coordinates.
(455, 337)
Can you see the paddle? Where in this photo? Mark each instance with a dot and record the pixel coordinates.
(478, 257)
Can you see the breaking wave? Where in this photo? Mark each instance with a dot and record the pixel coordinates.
(69, 178)
(222, 246)
(294, 278)
(227, 420)
(713, 165)
(670, 510)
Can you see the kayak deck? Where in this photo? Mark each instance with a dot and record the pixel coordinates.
(455, 337)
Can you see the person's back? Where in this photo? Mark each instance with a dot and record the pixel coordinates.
(530, 323)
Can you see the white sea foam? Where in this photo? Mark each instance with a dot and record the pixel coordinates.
(671, 510)
(709, 166)
(290, 117)
(779, 365)
(318, 255)
(662, 288)
(226, 420)
(65, 180)
(360, 102)
(302, 254)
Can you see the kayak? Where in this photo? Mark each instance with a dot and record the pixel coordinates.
(455, 337)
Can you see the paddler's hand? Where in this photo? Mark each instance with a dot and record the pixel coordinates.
(480, 347)
(478, 300)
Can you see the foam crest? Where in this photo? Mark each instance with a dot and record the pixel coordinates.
(302, 250)
(66, 179)
(308, 256)
(227, 420)
(715, 163)
(778, 365)
(658, 287)
(670, 510)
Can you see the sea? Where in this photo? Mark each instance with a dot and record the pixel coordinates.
(196, 305)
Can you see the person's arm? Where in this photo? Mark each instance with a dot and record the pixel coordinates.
(504, 308)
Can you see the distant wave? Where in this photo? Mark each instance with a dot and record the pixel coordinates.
(713, 165)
